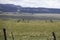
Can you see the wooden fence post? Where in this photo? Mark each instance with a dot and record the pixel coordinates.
(54, 35)
(12, 36)
(4, 30)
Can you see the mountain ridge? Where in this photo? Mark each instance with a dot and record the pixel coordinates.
(15, 8)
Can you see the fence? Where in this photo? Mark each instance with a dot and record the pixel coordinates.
(10, 35)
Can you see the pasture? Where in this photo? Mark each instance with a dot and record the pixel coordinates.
(29, 29)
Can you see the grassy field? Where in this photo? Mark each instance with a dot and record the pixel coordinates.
(30, 30)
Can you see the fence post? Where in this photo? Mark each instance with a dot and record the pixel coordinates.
(4, 30)
(54, 35)
(12, 36)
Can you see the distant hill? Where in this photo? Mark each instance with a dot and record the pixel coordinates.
(40, 10)
(8, 7)
(14, 8)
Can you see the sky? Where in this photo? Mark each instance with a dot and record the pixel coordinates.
(33, 3)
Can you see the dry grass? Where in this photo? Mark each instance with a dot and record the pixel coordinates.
(34, 30)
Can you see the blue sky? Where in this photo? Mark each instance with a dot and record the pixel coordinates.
(33, 3)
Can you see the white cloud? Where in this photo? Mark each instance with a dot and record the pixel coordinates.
(34, 3)
(6, 2)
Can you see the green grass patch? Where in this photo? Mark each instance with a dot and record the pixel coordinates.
(34, 29)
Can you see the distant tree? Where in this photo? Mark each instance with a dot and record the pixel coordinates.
(27, 21)
(51, 21)
(18, 20)
(23, 19)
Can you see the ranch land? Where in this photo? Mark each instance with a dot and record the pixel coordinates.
(29, 29)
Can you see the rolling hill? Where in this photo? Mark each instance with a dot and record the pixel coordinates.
(14, 8)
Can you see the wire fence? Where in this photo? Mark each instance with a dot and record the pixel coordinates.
(15, 35)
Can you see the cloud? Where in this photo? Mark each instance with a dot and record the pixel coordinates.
(34, 3)
(6, 2)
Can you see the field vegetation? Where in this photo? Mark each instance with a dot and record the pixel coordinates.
(29, 29)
